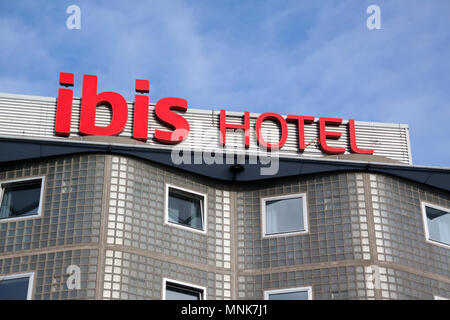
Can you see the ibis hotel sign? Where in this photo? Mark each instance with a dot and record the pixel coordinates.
(170, 123)
(169, 112)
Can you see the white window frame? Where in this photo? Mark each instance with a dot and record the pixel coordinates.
(29, 275)
(41, 197)
(181, 283)
(439, 298)
(288, 290)
(423, 206)
(283, 234)
(177, 225)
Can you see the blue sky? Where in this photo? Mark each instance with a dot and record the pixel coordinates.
(293, 57)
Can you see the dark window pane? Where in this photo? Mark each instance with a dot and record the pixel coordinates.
(20, 199)
(298, 295)
(284, 215)
(14, 289)
(438, 225)
(185, 209)
(179, 292)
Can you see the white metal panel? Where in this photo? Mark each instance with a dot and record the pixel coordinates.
(29, 116)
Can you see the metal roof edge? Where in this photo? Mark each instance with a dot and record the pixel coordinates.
(26, 149)
(398, 165)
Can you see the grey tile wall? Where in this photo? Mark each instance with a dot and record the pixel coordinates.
(128, 255)
(336, 215)
(72, 204)
(136, 218)
(136, 211)
(327, 283)
(398, 284)
(51, 273)
(132, 276)
(399, 227)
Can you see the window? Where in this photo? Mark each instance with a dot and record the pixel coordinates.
(185, 209)
(284, 215)
(437, 224)
(176, 290)
(16, 287)
(21, 198)
(304, 293)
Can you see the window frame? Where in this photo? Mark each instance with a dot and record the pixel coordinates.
(177, 225)
(423, 206)
(185, 284)
(283, 197)
(267, 293)
(29, 275)
(41, 197)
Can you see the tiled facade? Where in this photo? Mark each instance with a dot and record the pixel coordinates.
(105, 214)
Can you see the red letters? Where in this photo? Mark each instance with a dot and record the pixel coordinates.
(301, 120)
(164, 113)
(353, 147)
(329, 134)
(64, 105)
(140, 118)
(89, 102)
(224, 126)
(283, 126)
